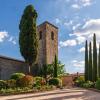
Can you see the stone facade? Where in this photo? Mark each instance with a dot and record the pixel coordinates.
(48, 43)
(9, 66)
(48, 48)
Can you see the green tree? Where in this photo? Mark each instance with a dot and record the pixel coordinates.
(55, 66)
(86, 61)
(50, 70)
(99, 62)
(94, 59)
(28, 41)
(90, 63)
(61, 68)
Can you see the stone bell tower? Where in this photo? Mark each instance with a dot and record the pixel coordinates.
(48, 43)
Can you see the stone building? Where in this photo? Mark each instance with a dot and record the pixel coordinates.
(48, 43)
(48, 48)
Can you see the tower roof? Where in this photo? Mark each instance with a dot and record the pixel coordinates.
(46, 22)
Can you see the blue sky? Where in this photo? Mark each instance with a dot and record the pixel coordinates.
(77, 21)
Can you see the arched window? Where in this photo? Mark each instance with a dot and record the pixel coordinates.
(52, 35)
(40, 35)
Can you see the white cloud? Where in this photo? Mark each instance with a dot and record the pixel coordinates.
(3, 35)
(80, 39)
(76, 26)
(89, 28)
(81, 3)
(76, 6)
(63, 22)
(82, 49)
(57, 21)
(92, 24)
(78, 66)
(74, 61)
(12, 40)
(68, 43)
(73, 42)
(86, 32)
(77, 63)
(82, 33)
(68, 23)
(86, 2)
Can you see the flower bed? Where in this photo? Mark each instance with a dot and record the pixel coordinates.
(20, 83)
(15, 91)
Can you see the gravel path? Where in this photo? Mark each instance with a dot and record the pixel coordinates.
(63, 94)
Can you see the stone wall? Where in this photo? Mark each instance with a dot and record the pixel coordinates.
(42, 44)
(51, 45)
(9, 66)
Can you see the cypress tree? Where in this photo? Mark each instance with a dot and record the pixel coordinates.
(45, 70)
(90, 63)
(99, 62)
(86, 61)
(94, 59)
(28, 41)
(55, 66)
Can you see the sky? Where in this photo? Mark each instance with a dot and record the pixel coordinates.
(77, 20)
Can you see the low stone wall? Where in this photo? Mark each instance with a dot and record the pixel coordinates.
(9, 66)
(67, 80)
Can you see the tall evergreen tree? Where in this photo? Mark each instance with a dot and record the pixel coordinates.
(94, 59)
(86, 61)
(28, 38)
(55, 66)
(99, 62)
(90, 63)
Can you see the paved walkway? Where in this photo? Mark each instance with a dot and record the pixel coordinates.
(64, 94)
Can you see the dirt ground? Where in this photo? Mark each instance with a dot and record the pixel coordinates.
(61, 94)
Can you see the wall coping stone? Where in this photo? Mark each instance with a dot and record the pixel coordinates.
(46, 22)
(13, 59)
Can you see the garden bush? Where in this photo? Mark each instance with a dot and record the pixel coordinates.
(80, 81)
(39, 81)
(3, 84)
(16, 76)
(88, 84)
(55, 81)
(26, 81)
(11, 83)
(97, 85)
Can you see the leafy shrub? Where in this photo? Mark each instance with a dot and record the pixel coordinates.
(16, 76)
(15, 90)
(39, 81)
(26, 81)
(80, 81)
(55, 81)
(88, 84)
(3, 84)
(97, 85)
(11, 83)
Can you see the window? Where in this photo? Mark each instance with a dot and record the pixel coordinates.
(40, 35)
(52, 35)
